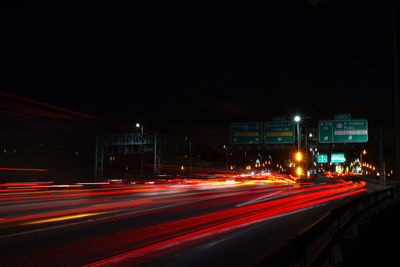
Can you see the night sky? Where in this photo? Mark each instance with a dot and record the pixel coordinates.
(207, 64)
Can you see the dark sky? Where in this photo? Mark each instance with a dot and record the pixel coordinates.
(184, 64)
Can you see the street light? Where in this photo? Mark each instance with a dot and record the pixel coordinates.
(299, 156)
(297, 119)
(299, 171)
(364, 152)
(138, 125)
(226, 161)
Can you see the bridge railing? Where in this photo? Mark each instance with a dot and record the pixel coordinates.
(319, 243)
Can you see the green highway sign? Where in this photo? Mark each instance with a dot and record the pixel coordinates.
(322, 158)
(246, 133)
(337, 158)
(279, 132)
(343, 131)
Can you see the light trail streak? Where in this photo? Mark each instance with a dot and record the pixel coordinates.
(88, 194)
(59, 213)
(63, 218)
(14, 191)
(32, 207)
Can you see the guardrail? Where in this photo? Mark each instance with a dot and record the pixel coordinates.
(319, 243)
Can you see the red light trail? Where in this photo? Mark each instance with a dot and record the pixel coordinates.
(23, 169)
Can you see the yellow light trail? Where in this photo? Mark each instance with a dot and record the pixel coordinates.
(63, 218)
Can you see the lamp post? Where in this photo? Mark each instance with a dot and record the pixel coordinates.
(297, 119)
(226, 160)
(364, 152)
(298, 156)
(190, 155)
(138, 125)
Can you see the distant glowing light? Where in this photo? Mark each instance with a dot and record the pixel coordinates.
(299, 171)
(299, 156)
(297, 118)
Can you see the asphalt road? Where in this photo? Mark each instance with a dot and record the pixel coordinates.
(177, 223)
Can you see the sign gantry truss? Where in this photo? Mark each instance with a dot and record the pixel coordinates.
(128, 143)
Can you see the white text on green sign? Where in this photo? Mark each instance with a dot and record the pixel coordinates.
(337, 158)
(322, 158)
(246, 133)
(343, 131)
(279, 132)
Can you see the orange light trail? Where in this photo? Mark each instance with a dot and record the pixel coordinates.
(63, 213)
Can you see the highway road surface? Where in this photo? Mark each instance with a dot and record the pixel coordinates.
(234, 221)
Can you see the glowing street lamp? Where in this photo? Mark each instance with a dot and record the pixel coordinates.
(299, 171)
(364, 152)
(297, 119)
(299, 156)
